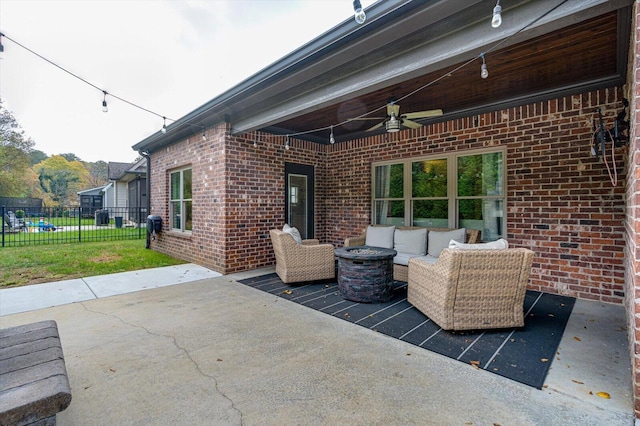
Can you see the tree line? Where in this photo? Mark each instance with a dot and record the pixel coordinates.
(28, 172)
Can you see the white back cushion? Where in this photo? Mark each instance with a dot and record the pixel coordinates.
(500, 244)
(439, 240)
(294, 233)
(410, 241)
(380, 236)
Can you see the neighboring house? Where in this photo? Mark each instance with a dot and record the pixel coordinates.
(91, 200)
(126, 193)
(511, 155)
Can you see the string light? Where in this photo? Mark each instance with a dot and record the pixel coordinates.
(359, 13)
(204, 135)
(104, 102)
(484, 73)
(255, 139)
(332, 140)
(287, 145)
(496, 21)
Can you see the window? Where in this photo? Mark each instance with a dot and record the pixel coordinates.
(180, 203)
(450, 191)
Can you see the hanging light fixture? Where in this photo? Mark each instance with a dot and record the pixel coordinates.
(332, 140)
(1, 46)
(255, 139)
(359, 13)
(104, 102)
(164, 125)
(496, 21)
(484, 73)
(287, 145)
(204, 135)
(392, 124)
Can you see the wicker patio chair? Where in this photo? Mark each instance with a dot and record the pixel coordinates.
(472, 289)
(308, 261)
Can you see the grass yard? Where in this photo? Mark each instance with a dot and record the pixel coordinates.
(45, 263)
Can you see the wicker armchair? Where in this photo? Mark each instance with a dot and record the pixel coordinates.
(472, 289)
(308, 261)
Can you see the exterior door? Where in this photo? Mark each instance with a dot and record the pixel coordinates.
(299, 198)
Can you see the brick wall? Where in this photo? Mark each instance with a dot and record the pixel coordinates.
(561, 203)
(632, 214)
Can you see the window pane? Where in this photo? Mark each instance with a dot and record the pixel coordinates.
(482, 214)
(187, 216)
(175, 186)
(389, 213)
(389, 181)
(480, 175)
(431, 213)
(175, 214)
(429, 178)
(186, 176)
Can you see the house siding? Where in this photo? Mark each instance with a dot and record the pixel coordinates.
(632, 232)
(561, 203)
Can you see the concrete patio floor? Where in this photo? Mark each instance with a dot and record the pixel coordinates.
(216, 352)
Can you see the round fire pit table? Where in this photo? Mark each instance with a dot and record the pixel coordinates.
(365, 274)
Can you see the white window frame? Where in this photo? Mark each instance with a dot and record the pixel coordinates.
(180, 227)
(452, 186)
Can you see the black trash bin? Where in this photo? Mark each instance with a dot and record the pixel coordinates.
(118, 221)
(102, 217)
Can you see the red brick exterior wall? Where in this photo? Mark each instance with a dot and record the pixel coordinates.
(632, 265)
(561, 203)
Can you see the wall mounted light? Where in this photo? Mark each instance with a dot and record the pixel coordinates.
(496, 21)
(359, 13)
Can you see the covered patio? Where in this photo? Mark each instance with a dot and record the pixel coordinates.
(326, 112)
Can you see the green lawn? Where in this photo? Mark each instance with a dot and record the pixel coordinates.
(55, 262)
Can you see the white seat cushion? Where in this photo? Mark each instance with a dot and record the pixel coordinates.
(493, 245)
(410, 241)
(403, 258)
(380, 236)
(439, 240)
(293, 232)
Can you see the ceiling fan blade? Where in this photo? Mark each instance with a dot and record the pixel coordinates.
(422, 114)
(410, 124)
(377, 126)
(393, 108)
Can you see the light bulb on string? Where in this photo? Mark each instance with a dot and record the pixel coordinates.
(104, 102)
(496, 21)
(484, 73)
(255, 139)
(332, 140)
(359, 15)
(204, 135)
(287, 145)
(164, 125)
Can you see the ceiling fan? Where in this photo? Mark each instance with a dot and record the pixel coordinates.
(394, 120)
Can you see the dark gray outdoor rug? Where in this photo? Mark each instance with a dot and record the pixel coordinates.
(523, 355)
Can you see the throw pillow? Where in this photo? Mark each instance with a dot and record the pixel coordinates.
(410, 241)
(380, 236)
(493, 245)
(439, 240)
(293, 232)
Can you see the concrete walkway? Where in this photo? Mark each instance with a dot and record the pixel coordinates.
(215, 352)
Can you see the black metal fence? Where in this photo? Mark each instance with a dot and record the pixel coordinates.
(56, 225)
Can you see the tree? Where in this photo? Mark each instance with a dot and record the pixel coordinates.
(98, 173)
(37, 156)
(14, 155)
(70, 157)
(62, 179)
